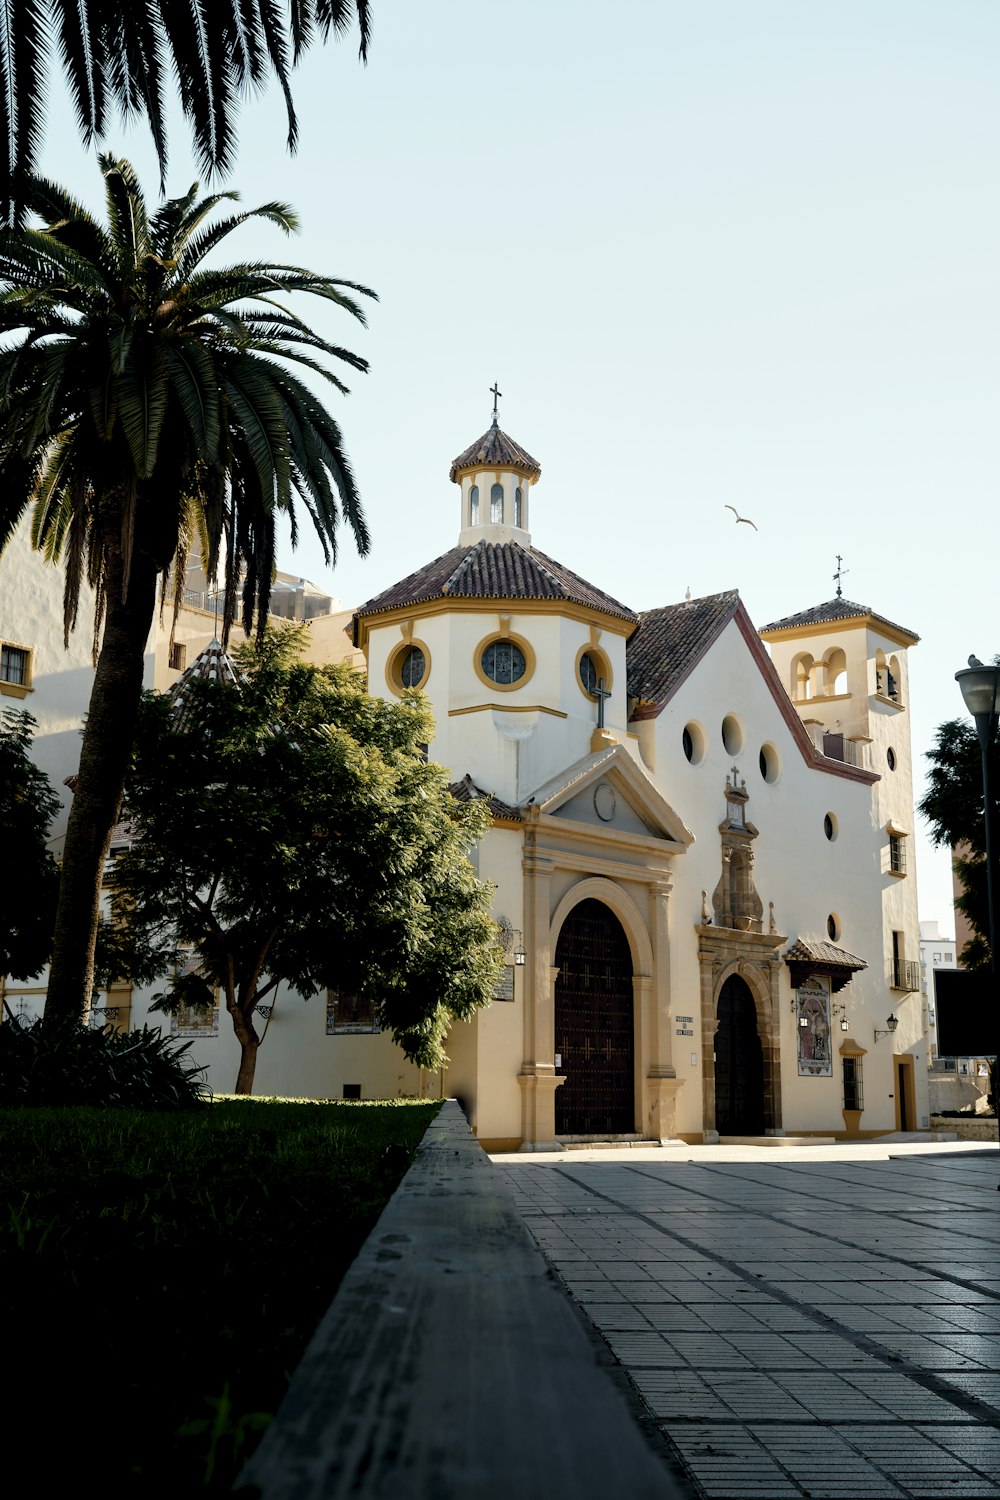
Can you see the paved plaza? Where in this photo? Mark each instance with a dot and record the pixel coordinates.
(820, 1321)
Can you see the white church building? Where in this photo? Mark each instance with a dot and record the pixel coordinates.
(699, 849)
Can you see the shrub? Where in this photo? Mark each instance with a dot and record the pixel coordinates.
(42, 1064)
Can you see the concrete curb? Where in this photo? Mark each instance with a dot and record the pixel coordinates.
(450, 1363)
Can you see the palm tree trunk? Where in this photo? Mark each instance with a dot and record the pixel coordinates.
(104, 758)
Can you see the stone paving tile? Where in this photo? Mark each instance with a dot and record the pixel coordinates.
(823, 1394)
(752, 1395)
(824, 1462)
(729, 1462)
(638, 1350)
(903, 1396)
(612, 1317)
(674, 1317)
(977, 1446)
(834, 1352)
(680, 1393)
(918, 1462)
(707, 1351)
(984, 1386)
(925, 1353)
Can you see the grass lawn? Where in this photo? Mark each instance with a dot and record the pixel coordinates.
(162, 1274)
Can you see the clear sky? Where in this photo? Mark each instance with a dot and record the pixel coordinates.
(716, 252)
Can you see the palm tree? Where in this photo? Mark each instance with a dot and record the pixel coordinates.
(146, 402)
(116, 54)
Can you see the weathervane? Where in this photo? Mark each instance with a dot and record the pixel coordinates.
(496, 396)
(840, 574)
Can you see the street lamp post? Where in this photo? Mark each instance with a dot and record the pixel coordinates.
(981, 690)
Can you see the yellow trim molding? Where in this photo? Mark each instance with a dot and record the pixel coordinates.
(508, 708)
(524, 608)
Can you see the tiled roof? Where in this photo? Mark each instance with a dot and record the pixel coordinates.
(211, 665)
(466, 790)
(494, 570)
(496, 450)
(670, 640)
(805, 950)
(832, 610)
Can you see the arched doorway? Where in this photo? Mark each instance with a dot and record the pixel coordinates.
(739, 1062)
(595, 1027)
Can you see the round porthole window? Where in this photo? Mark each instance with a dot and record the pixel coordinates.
(592, 668)
(693, 743)
(770, 765)
(504, 662)
(890, 756)
(409, 666)
(830, 827)
(833, 927)
(413, 667)
(732, 734)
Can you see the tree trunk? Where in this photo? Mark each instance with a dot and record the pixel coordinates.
(104, 757)
(246, 1035)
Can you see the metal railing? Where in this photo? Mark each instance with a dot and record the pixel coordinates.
(904, 974)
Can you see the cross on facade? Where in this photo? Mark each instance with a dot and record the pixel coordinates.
(840, 574)
(496, 396)
(601, 693)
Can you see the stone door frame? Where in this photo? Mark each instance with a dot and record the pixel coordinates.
(753, 956)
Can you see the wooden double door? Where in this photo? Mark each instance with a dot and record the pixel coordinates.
(594, 1024)
(739, 1062)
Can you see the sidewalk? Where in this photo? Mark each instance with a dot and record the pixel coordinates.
(820, 1321)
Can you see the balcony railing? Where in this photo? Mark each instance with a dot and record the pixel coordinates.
(839, 747)
(904, 974)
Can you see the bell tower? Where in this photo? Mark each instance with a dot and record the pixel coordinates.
(495, 475)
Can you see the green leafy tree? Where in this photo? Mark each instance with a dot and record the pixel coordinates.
(954, 808)
(292, 832)
(28, 803)
(148, 400)
(117, 56)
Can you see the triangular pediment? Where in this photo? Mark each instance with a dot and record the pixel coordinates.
(610, 791)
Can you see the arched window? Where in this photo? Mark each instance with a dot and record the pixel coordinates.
(892, 679)
(518, 506)
(880, 673)
(835, 663)
(496, 504)
(802, 677)
(474, 505)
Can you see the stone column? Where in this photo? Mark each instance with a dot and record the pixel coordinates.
(537, 1077)
(660, 1085)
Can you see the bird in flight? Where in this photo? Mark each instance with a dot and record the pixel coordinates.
(745, 519)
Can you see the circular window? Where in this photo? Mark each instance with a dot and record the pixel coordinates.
(413, 667)
(890, 756)
(732, 734)
(770, 765)
(409, 666)
(833, 927)
(591, 667)
(504, 661)
(693, 743)
(830, 827)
